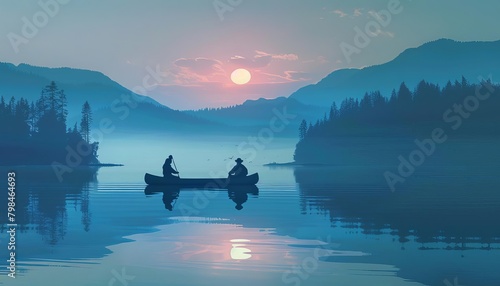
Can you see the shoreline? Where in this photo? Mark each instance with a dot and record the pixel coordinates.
(104, 165)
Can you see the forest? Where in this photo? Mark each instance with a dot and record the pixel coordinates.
(467, 110)
(36, 133)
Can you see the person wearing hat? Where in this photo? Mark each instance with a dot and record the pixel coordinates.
(239, 170)
(168, 171)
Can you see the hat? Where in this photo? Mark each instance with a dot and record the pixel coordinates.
(238, 160)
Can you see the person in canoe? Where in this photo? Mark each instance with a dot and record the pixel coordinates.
(239, 170)
(168, 171)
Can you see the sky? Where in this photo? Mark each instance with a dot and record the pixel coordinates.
(182, 53)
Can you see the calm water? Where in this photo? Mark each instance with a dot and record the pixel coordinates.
(301, 226)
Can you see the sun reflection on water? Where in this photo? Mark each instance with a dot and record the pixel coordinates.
(239, 251)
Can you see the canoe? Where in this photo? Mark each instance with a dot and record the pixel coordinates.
(202, 183)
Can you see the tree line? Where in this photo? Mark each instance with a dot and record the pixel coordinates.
(406, 113)
(36, 132)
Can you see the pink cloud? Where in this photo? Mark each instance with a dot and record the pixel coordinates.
(256, 62)
(261, 59)
(297, 76)
(356, 13)
(339, 12)
(193, 70)
(285, 57)
(200, 66)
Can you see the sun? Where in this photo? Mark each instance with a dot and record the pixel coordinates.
(241, 76)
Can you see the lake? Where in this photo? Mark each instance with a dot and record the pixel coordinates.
(315, 225)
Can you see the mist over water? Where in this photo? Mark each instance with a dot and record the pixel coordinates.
(194, 156)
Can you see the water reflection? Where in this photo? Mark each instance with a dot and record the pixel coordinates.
(238, 194)
(239, 251)
(42, 200)
(170, 194)
(440, 209)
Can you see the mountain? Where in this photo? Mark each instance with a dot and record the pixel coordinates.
(214, 95)
(260, 113)
(152, 118)
(109, 100)
(438, 62)
(79, 85)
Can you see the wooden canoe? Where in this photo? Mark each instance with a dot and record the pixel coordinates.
(202, 182)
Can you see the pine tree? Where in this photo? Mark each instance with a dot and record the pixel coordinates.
(86, 121)
(55, 100)
(62, 106)
(302, 129)
(50, 92)
(334, 111)
(52, 108)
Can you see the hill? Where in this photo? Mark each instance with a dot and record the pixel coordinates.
(438, 62)
(259, 113)
(109, 100)
(79, 85)
(365, 131)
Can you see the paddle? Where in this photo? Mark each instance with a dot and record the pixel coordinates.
(173, 161)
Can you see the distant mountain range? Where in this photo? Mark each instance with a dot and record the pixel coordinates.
(259, 112)
(145, 115)
(437, 62)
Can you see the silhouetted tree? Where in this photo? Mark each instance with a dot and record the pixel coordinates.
(302, 129)
(405, 113)
(35, 133)
(52, 109)
(55, 100)
(334, 111)
(86, 121)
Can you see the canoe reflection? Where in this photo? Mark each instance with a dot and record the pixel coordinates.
(238, 194)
